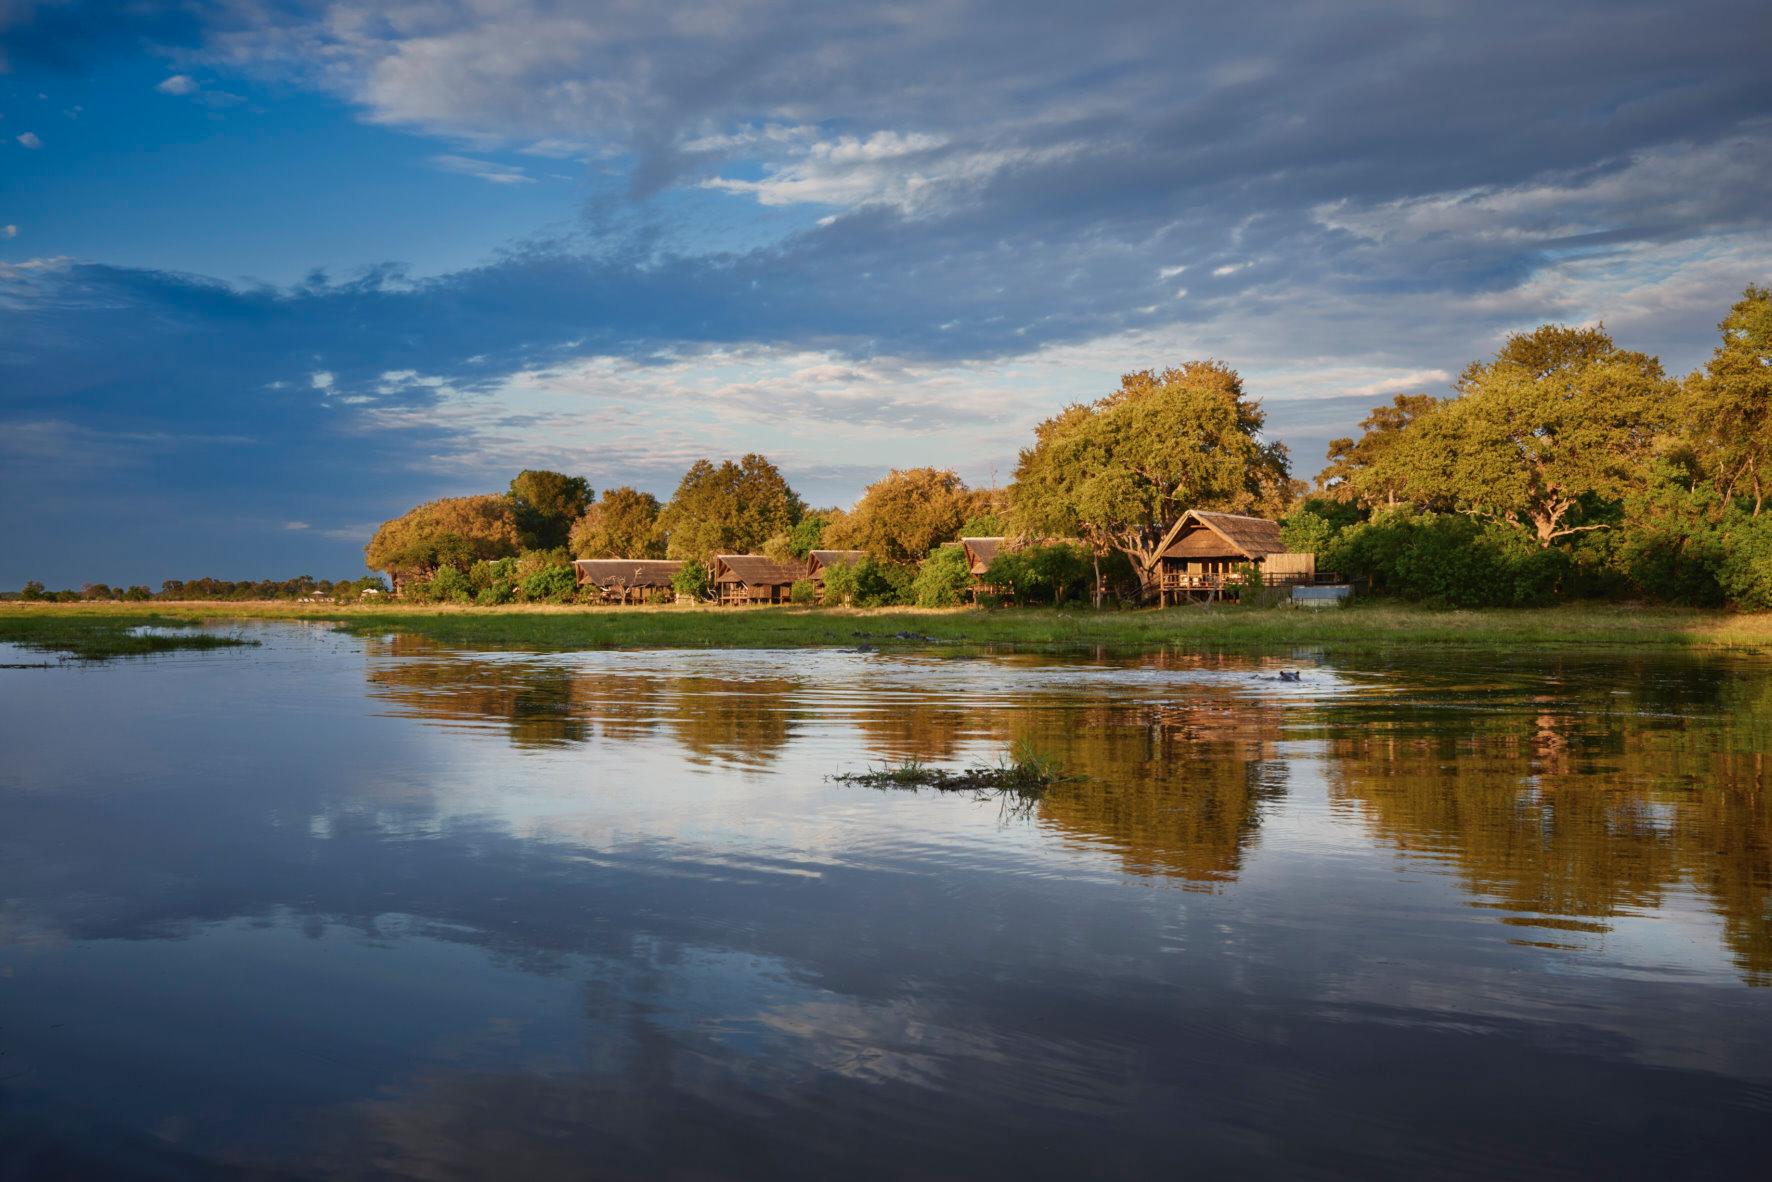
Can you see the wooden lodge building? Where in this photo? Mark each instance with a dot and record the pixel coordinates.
(1202, 556)
(819, 561)
(752, 578)
(628, 580)
(1204, 553)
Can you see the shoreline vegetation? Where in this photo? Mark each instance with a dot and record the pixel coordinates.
(95, 630)
(101, 635)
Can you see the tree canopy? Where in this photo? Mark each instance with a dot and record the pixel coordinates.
(454, 531)
(547, 503)
(1118, 471)
(622, 524)
(728, 508)
(1560, 418)
(1729, 402)
(906, 514)
(1357, 470)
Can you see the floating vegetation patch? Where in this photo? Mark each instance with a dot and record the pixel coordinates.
(1021, 778)
(102, 638)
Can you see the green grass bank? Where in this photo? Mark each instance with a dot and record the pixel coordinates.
(88, 629)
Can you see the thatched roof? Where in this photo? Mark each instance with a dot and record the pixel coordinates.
(817, 560)
(754, 570)
(1246, 537)
(981, 552)
(626, 572)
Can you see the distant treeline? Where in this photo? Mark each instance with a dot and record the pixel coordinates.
(305, 587)
(1564, 467)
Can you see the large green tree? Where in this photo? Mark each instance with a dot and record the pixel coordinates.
(547, 503)
(1561, 420)
(622, 524)
(1118, 471)
(905, 514)
(455, 531)
(1729, 402)
(728, 509)
(1357, 469)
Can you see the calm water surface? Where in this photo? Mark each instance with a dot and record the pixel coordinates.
(364, 909)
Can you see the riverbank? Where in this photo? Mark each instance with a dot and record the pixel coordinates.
(1365, 627)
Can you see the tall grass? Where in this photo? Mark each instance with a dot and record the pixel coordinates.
(92, 637)
(1364, 627)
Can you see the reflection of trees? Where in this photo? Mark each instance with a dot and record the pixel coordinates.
(908, 728)
(547, 705)
(721, 718)
(1174, 791)
(534, 704)
(1574, 813)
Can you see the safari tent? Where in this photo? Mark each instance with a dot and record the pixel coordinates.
(1203, 553)
(752, 578)
(627, 580)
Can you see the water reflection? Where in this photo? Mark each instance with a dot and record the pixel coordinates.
(388, 910)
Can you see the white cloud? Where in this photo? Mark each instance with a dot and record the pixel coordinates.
(909, 170)
(320, 379)
(485, 170)
(295, 525)
(1171, 272)
(8, 231)
(1227, 269)
(29, 139)
(177, 84)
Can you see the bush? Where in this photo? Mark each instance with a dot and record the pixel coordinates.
(804, 591)
(691, 579)
(1745, 573)
(1448, 560)
(1046, 573)
(868, 583)
(449, 585)
(552, 584)
(494, 594)
(943, 579)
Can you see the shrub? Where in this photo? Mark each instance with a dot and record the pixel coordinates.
(552, 584)
(868, 583)
(494, 594)
(1746, 569)
(449, 585)
(1449, 560)
(691, 579)
(1046, 573)
(803, 591)
(943, 579)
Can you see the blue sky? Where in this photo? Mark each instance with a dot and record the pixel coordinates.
(272, 271)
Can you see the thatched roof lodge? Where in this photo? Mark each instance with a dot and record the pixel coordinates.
(981, 552)
(752, 578)
(1203, 551)
(625, 580)
(819, 560)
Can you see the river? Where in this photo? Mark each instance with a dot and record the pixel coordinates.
(373, 908)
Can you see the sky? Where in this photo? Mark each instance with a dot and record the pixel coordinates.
(272, 271)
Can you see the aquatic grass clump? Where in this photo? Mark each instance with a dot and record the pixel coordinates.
(105, 637)
(1020, 778)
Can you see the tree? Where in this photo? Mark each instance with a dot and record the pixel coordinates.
(728, 509)
(455, 530)
(905, 514)
(1119, 471)
(1561, 418)
(547, 503)
(1729, 402)
(623, 524)
(943, 579)
(1357, 469)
